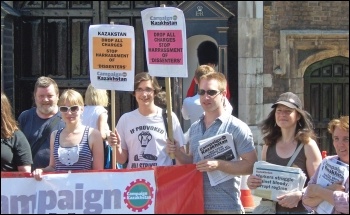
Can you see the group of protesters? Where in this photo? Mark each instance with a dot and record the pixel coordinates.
(65, 132)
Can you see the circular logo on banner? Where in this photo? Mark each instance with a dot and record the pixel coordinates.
(138, 195)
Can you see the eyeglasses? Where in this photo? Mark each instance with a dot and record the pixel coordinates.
(65, 109)
(209, 92)
(147, 90)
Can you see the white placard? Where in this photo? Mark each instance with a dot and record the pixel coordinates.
(112, 57)
(164, 30)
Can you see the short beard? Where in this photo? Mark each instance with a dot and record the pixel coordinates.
(46, 111)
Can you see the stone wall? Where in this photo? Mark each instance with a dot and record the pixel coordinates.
(312, 16)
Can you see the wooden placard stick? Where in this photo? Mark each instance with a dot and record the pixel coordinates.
(169, 111)
(114, 148)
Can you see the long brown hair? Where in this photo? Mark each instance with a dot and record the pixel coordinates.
(303, 132)
(8, 123)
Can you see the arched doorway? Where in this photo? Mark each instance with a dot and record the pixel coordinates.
(326, 85)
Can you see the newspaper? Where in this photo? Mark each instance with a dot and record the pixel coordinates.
(218, 147)
(331, 171)
(277, 180)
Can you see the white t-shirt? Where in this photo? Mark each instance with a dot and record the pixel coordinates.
(145, 138)
(192, 108)
(91, 114)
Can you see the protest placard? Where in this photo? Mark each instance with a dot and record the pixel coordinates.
(112, 62)
(165, 41)
(112, 57)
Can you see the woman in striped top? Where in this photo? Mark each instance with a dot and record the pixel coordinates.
(75, 147)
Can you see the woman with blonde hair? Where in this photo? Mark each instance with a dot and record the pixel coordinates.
(75, 147)
(16, 154)
(95, 114)
(336, 194)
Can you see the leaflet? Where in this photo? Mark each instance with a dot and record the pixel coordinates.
(220, 147)
(277, 180)
(331, 171)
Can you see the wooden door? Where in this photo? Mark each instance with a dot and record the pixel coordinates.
(51, 39)
(326, 85)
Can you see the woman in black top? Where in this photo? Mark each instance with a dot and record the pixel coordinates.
(16, 154)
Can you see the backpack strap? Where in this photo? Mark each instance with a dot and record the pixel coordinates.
(165, 120)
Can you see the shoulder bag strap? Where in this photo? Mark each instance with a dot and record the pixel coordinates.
(165, 119)
(296, 152)
(46, 134)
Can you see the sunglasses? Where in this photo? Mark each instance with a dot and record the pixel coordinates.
(209, 92)
(65, 109)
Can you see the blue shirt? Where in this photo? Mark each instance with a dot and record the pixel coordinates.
(33, 127)
(226, 195)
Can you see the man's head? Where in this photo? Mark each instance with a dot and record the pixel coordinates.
(212, 91)
(146, 88)
(216, 76)
(207, 53)
(46, 95)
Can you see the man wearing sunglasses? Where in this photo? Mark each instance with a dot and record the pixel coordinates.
(38, 122)
(191, 108)
(223, 198)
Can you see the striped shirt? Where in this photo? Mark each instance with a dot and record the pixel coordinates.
(77, 157)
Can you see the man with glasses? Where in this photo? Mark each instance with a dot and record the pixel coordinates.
(140, 135)
(38, 122)
(222, 198)
(191, 108)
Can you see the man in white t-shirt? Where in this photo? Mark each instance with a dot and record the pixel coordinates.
(140, 136)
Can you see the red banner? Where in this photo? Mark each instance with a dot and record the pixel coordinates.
(179, 188)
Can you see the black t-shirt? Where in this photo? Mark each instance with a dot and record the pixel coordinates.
(15, 151)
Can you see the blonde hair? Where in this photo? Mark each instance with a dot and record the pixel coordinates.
(216, 76)
(71, 96)
(96, 97)
(342, 122)
(202, 70)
